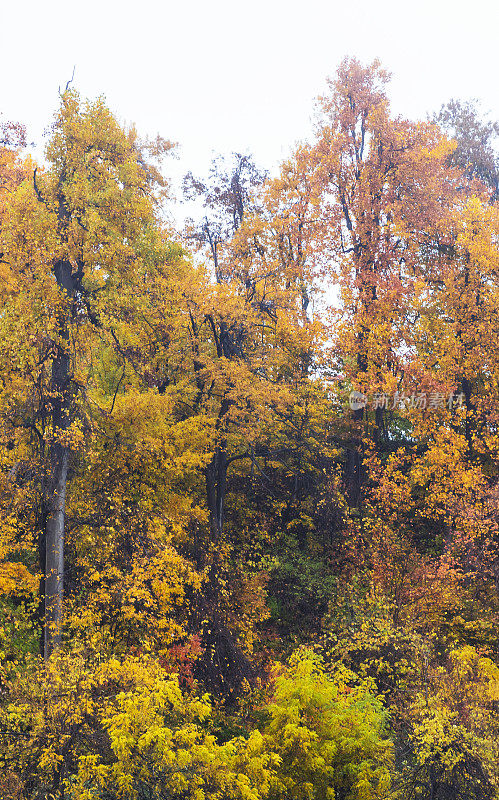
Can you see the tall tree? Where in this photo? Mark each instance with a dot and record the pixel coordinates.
(92, 237)
(385, 192)
(252, 344)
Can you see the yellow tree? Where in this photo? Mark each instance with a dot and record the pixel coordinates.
(255, 345)
(76, 238)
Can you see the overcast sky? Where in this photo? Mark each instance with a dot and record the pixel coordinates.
(222, 76)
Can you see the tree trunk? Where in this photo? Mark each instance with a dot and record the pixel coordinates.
(55, 494)
(216, 481)
(54, 542)
(223, 666)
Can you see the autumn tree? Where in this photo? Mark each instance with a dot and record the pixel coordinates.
(384, 191)
(476, 151)
(255, 347)
(179, 462)
(92, 231)
(226, 195)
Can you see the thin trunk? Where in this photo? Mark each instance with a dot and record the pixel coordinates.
(470, 408)
(353, 480)
(354, 472)
(216, 478)
(223, 666)
(54, 543)
(216, 482)
(55, 494)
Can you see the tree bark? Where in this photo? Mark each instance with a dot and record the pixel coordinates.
(216, 484)
(55, 494)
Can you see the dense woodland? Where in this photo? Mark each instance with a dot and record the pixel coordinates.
(249, 470)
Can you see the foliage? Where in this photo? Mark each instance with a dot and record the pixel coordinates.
(328, 734)
(455, 731)
(186, 495)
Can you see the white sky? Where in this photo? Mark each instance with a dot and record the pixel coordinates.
(222, 76)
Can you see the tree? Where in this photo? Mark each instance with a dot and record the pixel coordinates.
(329, 735)
(227, 195)
(455, 731)
(476, 151)
(385, 193)
(251, 343)
(93, 232)
(124, 728)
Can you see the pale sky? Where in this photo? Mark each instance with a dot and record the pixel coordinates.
(223, 76)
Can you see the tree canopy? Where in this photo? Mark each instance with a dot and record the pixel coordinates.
(249, 470)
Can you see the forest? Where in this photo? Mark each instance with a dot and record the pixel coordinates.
(249, 465)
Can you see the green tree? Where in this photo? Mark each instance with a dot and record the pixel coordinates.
(330, 736)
